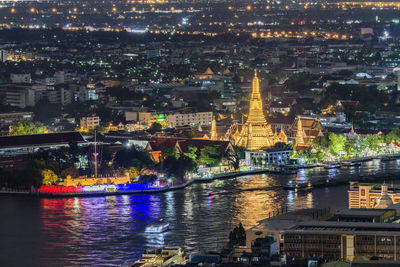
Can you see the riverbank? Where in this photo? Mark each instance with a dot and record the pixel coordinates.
(104, 192)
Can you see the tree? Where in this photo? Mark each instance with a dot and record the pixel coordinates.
(132, 172)
(49, 177)
(393, 136)
(24, 128)
(71, 171)
(237, 237)
(132, 157)
(210, 156)
(179, 167)
(337, 143)
(148, 178)
(170, 152)
(191, 153)
(155, 127)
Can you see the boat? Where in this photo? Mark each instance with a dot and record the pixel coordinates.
(388, 158)
(351, 163)
(157, 227)
(302, 187)
(332, 166)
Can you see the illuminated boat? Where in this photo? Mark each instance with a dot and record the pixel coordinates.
(157, 227)
(332, 166)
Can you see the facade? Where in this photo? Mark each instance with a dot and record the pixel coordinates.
(13, 117)
(367, 195)
(342, 240)
(90, 122)
(341, 235)
(309, 129)
(268, 157)
(3, 55)
(21, 96)
(20, 78)
(256, 133)
(182, 119)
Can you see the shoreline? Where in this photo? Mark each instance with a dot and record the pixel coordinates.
(133, 192)
(314, 184)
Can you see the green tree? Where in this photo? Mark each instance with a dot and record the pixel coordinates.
(49, 177)
(210, 156)
(148, 178)
(133, 157)
(393, 136)
(337, 143)
(155, 127)
(24, 128)
(170, 152)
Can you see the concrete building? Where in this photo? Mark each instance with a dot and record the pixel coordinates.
(21, 96)
(182, 119)
(13, 117)
(20, 78)
(3, 55)
(321, 233)
(268, 157)
(367, 195)
(90, 122)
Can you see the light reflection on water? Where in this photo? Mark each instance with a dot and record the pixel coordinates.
(110, 230)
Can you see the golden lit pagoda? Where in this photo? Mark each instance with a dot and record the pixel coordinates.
(299, 134)
(256, 133)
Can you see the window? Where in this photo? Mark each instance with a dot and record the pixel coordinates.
(363, 192)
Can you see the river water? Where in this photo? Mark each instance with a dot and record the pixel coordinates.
(109, 231)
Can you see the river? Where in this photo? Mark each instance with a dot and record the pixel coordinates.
(109, 231)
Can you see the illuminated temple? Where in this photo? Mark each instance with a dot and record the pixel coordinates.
(256, 133)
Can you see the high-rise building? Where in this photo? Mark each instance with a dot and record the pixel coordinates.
(3, 55)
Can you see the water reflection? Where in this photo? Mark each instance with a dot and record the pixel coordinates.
(111, 230)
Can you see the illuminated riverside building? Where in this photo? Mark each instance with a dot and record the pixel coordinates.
(368, 195)
(256, 133)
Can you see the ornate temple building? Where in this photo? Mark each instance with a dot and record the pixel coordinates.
(256, 133)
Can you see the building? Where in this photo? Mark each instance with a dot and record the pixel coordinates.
(20, 78)
(321, 233)
(3, 55)
(167, 256)
(304, 130)
(90, 122)
(25, 144)
(267, 157)
(21, 96)
(256, 133)
(197, 118)
(342, 240)
(367, 195)
(13, 117)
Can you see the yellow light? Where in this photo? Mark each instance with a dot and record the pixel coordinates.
(54, 10)
(94, 9)
(172, 8)
(12, 10)
(248, 7)
(133, 8)
(114, 9)
(75, 9)
(32, 10)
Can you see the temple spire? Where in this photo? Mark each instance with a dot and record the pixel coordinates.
(299, 133)
(256, 133)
